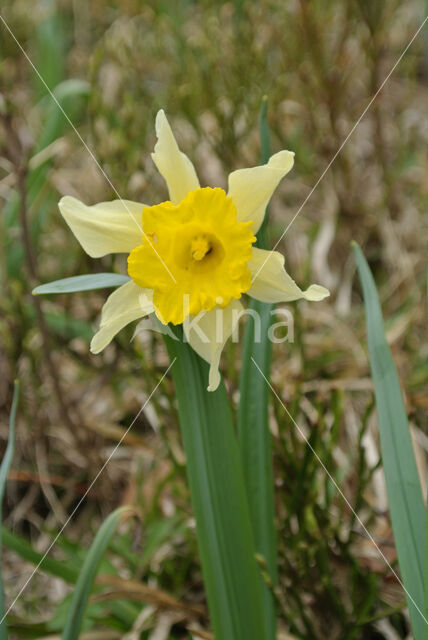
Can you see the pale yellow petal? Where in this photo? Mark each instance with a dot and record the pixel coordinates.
(271, 283)
(129, 302)
(173, 164)
(251, 189)
(107, 227)
(208, 334)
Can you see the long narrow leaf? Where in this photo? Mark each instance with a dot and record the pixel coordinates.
(45, 564)
(226, 547)
(265, 154)
(4, 470)
(71, 95)
(65, 570)
(82, 591)
(81, 283)
(426, 572)
(253, 426)
(402, 482)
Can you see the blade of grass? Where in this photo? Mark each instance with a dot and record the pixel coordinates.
(426, 523)
(226, 547)
(402, 482)
(253, 422)
(4, 470)
(83, 588)
(67, 570)
(265, 154)
(81, 283)
(71, 95)
(50, 48)
(53, 567)
(426, 571)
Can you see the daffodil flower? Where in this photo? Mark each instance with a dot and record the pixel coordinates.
(190, 258)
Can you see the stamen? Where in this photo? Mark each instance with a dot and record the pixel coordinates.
(200, 248)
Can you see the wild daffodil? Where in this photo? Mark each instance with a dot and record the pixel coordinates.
(192, 257)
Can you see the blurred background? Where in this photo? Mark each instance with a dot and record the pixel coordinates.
(112, 65)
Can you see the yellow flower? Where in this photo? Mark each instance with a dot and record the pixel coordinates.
(191, 258)
(203, 245)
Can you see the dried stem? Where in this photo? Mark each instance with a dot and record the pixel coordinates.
(18, 158)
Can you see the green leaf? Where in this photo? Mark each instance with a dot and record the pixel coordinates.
(50, 50)
(4, 470)
(62, 324)
(22, 630)
(264, 132)
(82, 283)
(426, 571)
(231, 576)
(88, 572)
(68, 327)
(402, 482)
(71, 95)
(253, 422)
(67, 570)
(115, 614)
(64, 570)
(265, 154)
(156, 534)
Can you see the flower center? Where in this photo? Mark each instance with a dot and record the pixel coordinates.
(200, 247)
(194, 255)
(197, 250)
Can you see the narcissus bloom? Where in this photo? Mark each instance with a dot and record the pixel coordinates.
(190, 258)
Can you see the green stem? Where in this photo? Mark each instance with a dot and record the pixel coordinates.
(231, 576)
(4, 470)
(253, 420)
